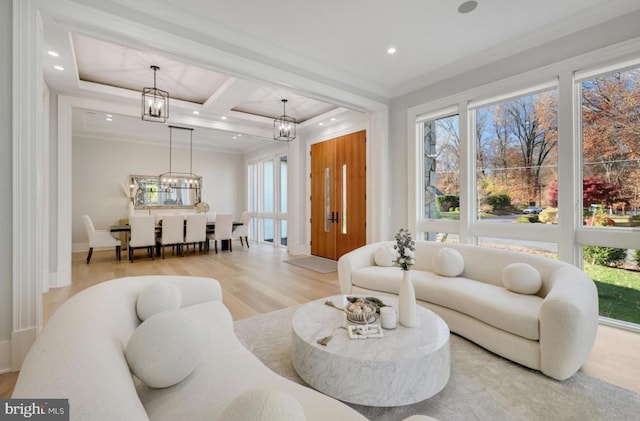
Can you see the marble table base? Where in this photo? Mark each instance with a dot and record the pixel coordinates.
(406, 366)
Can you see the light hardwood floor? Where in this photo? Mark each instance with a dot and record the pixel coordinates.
(256, 280)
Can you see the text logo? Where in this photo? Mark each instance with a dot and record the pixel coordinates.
(34, 409)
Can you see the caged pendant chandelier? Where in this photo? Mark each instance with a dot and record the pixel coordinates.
(155, 102)
(173, 180)
(284, 128)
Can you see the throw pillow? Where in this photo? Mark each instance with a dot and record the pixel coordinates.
(384, 256)
(448, 262)
(263, 404)
(165, 348)
(157, 297)
(521, 278)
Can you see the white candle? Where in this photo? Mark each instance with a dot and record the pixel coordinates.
(388, 317)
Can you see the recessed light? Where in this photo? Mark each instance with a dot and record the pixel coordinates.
(109, 115)
(53, 53)
(391, 50)
(223, 117)
(196, 112)
(239, 135)
(333, 119)
(467, 6)
(320, 124)
(58, 67)
(109, 119)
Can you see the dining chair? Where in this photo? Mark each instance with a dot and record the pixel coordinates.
(211, 216)
(224, 226)
(172, 232)
(99, 238)
(143, 234)
(242, 231)
(196, 231)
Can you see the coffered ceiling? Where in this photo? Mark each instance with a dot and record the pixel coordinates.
(341, 44)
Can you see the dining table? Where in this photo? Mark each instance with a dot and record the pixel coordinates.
(211, 228)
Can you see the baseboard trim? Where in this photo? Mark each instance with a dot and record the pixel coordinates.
(61, 278)
(21, 342)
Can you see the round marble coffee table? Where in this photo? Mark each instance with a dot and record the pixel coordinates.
(406, 366)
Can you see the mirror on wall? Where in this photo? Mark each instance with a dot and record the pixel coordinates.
(168, 192)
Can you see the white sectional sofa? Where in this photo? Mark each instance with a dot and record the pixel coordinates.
(551, 328)
(80, 356)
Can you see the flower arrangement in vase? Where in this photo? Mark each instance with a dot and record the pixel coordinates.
(406, 296)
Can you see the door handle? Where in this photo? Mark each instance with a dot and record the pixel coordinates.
(337, 217)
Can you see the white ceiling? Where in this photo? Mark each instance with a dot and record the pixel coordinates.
(341, 43)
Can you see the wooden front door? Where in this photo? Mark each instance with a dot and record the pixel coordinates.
(338, 195)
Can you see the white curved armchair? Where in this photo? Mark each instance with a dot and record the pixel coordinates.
(99, 238)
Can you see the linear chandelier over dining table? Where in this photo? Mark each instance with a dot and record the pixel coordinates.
(180, 180)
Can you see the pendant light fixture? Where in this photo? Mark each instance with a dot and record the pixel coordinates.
(155, 102)
(180, 180)
(284, 128)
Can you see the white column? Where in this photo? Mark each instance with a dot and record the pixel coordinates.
(378, 177)
(28, 180)
(65, 200)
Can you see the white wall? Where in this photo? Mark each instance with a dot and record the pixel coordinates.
(100, 166)
(6, 37)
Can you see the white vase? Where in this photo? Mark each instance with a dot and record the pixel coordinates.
(407, 301)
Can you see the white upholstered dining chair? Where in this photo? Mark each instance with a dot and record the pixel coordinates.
(143, 234)
(99, 238)
(242, 231)
(224, 226)
(196, 230)
(172, 232)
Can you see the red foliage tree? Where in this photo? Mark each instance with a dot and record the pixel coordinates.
(595, 191)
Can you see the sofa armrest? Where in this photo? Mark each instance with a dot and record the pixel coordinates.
(359, 258)
(568, 322)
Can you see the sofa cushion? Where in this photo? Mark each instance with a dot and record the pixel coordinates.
(448, 262)
(158, 297)
(165, 348)
(521, 278)
(377, 278)
(384, 256)
(263, 404)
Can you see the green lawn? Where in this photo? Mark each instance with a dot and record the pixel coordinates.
(618, 291)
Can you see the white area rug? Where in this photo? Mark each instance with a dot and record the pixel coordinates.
(482, 386)
(315, 263)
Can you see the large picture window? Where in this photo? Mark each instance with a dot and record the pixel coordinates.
(611, 149)
(517, 157)
(610, 130)
(440, 187)
(550, 165)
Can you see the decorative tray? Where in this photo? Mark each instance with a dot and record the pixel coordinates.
(365, 331)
